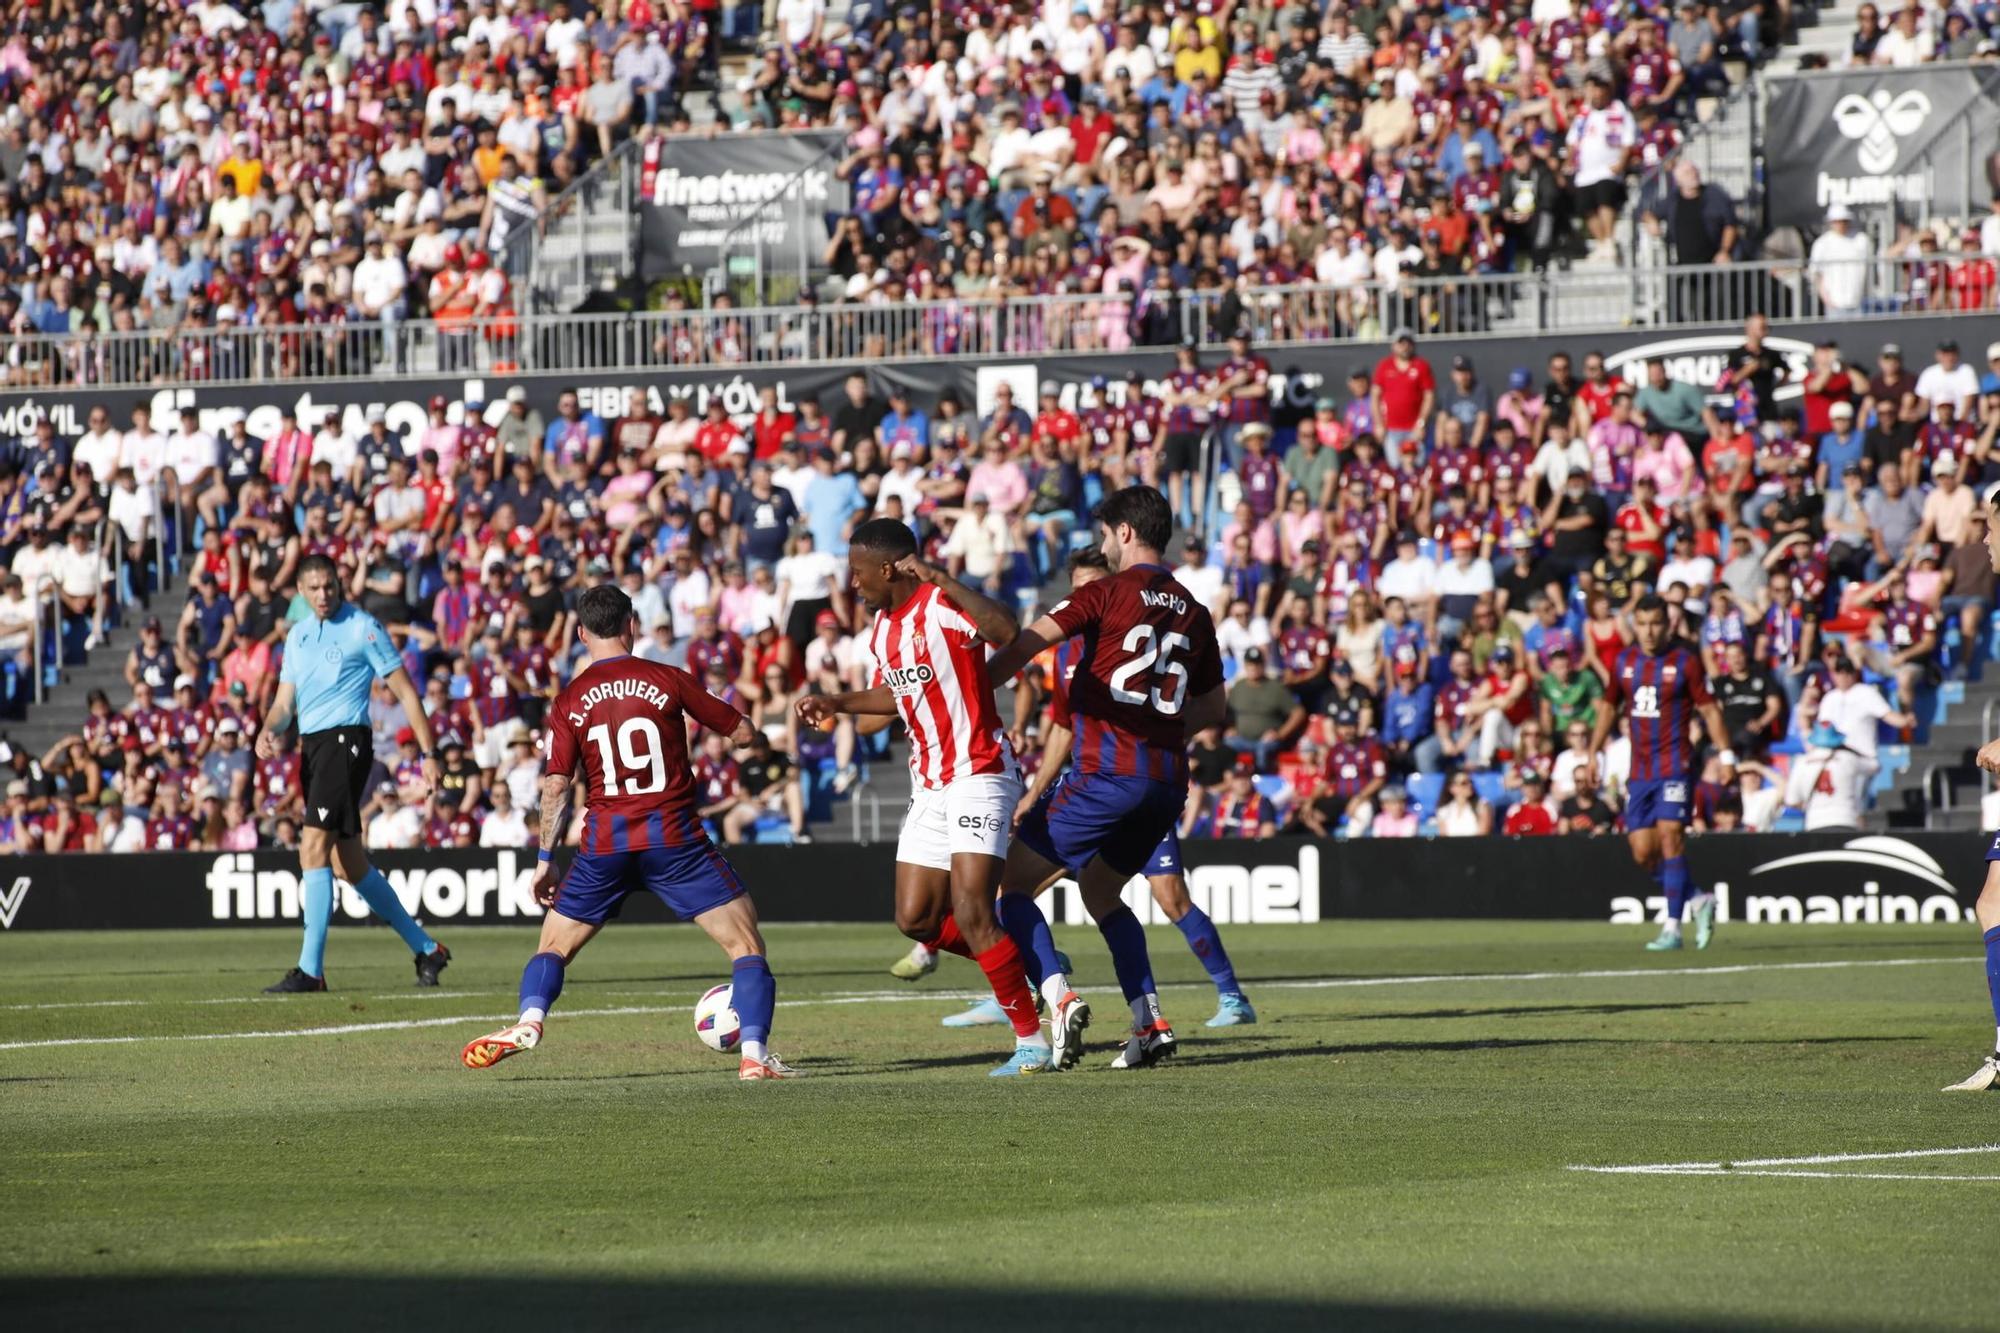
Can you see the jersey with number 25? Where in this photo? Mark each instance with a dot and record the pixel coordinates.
(622, 720)
(1148, 647)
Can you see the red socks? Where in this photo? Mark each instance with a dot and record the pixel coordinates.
(948, 940)
(1002, 966)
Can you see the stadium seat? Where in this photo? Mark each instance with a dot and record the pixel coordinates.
(1425, 789)
(772, 830)
(1789, 821)
(1491, 786)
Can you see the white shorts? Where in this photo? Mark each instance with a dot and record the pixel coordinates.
(973, 814)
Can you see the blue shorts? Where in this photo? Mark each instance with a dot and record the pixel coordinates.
(1127, 822)
(1167, 856)
(1993, 852)
(690, 879)
(1650, 801)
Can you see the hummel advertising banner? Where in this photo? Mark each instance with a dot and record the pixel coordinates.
(1849, 878)
(1923, 140)
(702, 198)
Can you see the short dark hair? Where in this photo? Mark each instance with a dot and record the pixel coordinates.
(885, 537)
(605, 611)
(1652, 601)
(319, 564)
(1089, 558)
(1142, 508)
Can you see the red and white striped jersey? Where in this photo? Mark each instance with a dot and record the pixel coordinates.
(930, 656)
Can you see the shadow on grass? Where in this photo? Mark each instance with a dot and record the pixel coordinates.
(498, 1302)
(1527, 1010)
(1237, 1054)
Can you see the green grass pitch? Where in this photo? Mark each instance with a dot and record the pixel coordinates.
(1391, 1147)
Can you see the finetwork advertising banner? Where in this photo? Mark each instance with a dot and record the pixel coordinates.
(701, 196)
(1922, 139)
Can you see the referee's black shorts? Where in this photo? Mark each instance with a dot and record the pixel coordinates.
(336, 765)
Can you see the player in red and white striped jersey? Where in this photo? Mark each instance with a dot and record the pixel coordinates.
(929, 646)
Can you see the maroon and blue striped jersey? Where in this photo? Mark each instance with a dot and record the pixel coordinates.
(1660, 694)
(1148, 648)
(623, 721)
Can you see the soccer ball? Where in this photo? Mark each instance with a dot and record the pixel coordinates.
(715, 1020)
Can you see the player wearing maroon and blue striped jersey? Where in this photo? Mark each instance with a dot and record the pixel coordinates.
(1662, 688)
(622, 722)
(1987, 909)
(1149, 676)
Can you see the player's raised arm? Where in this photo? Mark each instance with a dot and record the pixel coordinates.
(996, 625)
(1006, 664)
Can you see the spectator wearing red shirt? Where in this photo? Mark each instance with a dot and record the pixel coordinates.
(1644, 520)
(1531, 818)
(1056, 420)
(1729, 459)
(1402, 395)
(717, 432)
(1971, 280)
(772, 425)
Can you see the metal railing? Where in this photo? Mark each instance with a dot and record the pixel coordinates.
(48, 609)
(1600, 299)
(549, 259)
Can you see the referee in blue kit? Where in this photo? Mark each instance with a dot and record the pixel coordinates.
(332, 660)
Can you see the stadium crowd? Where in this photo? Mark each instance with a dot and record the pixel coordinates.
(333, 171)
(1418, 589)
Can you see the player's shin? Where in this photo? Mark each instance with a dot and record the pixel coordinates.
(383, 902)
(541, 984)
(1678, 882)
(1029, 929)
(754, 995)
(1206, 942)
(316, 910)
(1002, 966)
(1127, 941)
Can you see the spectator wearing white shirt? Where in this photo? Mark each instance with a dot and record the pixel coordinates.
(1239, 631)
(396, 826)
(1840, 263)
(99, 447)
(1949, 379)
(1827, 782)
(1853, 708)
(1198, 576)
(1601, 141)
(381, 286)
(1909, 40)
(80, 577)
(142, 448)
(979, 547)
(504, 825)
(1412, 577)
(193, 465)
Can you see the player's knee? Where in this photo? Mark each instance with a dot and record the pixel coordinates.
(920, 923)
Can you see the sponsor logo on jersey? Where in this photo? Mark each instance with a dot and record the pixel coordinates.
(908, 680)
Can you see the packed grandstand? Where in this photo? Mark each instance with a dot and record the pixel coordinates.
(1420, 576)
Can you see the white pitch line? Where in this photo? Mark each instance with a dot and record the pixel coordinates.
(1834, 1175)
(1824, 1159)
(1323, 983)
(911, 997)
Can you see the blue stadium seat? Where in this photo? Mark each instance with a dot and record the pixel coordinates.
(772, 830)
(1270, 786)
(1425, 789)
(1491, 787)
(1789, 821)
(1895, 758)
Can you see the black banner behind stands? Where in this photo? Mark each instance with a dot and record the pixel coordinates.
(1835, 878)
(1300, 374)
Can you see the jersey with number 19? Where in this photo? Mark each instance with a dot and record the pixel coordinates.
(1146, 648)
(621, 720)
(966, 782)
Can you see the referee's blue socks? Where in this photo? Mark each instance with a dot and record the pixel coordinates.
(316, 908)
(383, 902)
